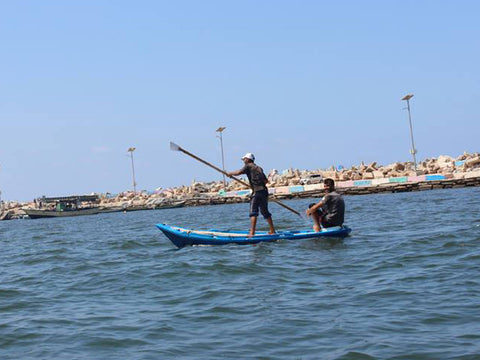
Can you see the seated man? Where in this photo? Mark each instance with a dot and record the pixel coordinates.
(330, 210)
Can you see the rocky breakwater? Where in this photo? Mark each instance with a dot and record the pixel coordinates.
(12, 210)
(444, 165)
(197, 194)
(441, 172)
(463, 170)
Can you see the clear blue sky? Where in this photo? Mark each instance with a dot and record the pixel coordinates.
(303, 84)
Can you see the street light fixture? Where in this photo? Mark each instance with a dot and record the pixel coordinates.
(220, 131)
(131, 150)
(413, 151)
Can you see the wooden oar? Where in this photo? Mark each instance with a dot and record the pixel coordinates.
(175, 147)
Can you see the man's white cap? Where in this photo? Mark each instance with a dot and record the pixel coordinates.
(249, 156)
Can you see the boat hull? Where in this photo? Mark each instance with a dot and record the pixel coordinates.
(38, 214)
(181, 237)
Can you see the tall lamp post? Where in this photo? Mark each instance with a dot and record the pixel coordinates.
(131, 150)
(220, 131)
(413, 151)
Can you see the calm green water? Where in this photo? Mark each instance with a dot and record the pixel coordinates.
(405, 285)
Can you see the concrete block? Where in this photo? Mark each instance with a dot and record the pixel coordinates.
(434, 177)
(362, 183)
(313, 187)
(243, 192)
(344, 184)
(472, 174)
(380, 181)
(415, 179)
(295, 189)
(281, 190)
(401, 179)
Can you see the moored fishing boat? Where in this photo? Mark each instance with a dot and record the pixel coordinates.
(37, 213)
(64, 206)
(182, 237)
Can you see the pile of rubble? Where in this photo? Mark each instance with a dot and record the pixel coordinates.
(443, 165)
(11, 210)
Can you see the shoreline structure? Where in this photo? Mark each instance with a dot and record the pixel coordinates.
(435, 173)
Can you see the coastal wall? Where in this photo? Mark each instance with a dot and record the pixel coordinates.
(441, 172)
(410, 183)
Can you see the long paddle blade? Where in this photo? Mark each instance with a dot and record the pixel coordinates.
(174, 147)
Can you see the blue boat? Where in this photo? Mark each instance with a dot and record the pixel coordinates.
(181, 237)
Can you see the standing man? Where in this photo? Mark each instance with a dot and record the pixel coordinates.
(259, 198)
(329, 211)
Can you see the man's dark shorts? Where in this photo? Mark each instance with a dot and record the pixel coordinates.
(259, 200)
(320, 213)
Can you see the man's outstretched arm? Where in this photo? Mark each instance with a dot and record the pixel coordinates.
(235, 173)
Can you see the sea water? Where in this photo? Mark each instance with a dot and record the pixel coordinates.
(404, 285)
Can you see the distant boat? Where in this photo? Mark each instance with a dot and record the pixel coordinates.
(40, 213)
(85, 205)
(172, 205)
(64, 206)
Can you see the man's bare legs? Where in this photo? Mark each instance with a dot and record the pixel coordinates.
(270, 224)
(253, 225)
(316, 222)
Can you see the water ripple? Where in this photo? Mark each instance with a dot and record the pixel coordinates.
(403, 286)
